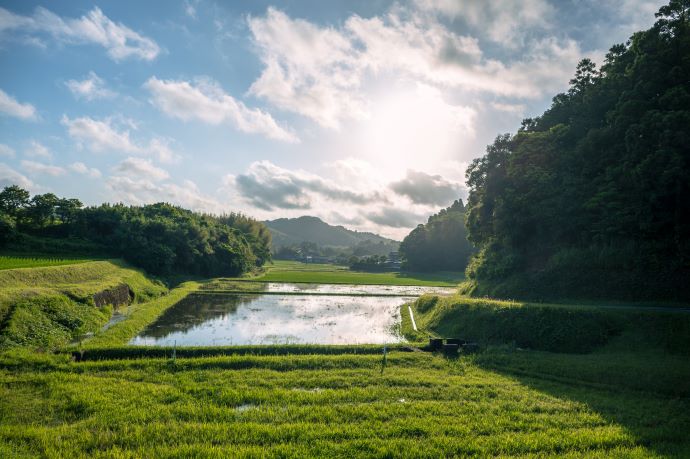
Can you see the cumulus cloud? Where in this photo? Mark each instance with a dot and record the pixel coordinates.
(10, 106)
(141, 168)
(422, 188)
(34, 167)
(90, 88)
(105, 135)
(322, 72)
(83, 169)
(38, 150)
(6, 151)
(396, 218)
(502, 22)
(9, 176)
(138, 190)
(268, 187)
(120, 41)
(205, 100)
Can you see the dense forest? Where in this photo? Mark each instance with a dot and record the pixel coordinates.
(160, 238)
(439, 245)
(591, 199)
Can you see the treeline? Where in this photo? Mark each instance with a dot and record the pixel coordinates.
(439, 245)
(160, 238)
(339, 255)
(592, 198)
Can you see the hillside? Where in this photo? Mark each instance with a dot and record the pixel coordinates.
(294, 231)
(589, 200)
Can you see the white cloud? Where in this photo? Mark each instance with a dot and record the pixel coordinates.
(105, 135)
(83, 169)
(6, 151)
(268, 187)
(9, 176)
(396, 218)
(91, 88)
(120, 41)
(34, 167)
(11, 107)
(141, 168)
(323, 72)
(422, 188)
(137, 190)
(206, 101)
(99, 135)
(38, 150)
(190, 8)
(502, 22)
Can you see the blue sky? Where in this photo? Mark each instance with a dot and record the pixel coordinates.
(364, 113)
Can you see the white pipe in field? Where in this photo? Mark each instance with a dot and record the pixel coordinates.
(414, 324)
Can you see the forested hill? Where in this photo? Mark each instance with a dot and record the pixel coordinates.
(439, 245)
(294, 231)
(161, 238)
(592, 198)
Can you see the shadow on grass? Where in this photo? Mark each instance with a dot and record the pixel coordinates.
(659, 422)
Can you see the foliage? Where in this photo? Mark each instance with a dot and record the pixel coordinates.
(439, 245)
(572, 328)
(31, 298)
(590, 200)
(161, 238)
(139, 316)
(35, 262)
(318, 405)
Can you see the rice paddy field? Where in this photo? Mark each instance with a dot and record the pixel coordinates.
(420, 405)
(9, 262)
(292, 271)
(626, 395)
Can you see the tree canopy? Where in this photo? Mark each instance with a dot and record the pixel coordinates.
(591, 199)
(160, 238)
(439, 245)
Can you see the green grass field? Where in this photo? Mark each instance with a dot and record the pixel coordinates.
(292, 271)
(7, 262)
(627, 395)
(321, 406)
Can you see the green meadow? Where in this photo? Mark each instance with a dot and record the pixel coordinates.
(292, 271)
(610, 387)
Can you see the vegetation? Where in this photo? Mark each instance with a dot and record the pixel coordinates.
(160, 238)
(323, 406)
(290, 271)
(590, 200)
(138, 316)
(48, 307)
(439, 245)
(31, 262)
(553, 327)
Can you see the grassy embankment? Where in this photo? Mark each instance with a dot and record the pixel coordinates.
(291, 271)
(49, 306)
(635, 348)
(328, 401)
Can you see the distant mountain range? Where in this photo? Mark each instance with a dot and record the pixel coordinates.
(294, 231)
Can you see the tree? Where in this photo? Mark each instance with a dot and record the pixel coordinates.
(441, 244)
(590, 199)
(13, 200)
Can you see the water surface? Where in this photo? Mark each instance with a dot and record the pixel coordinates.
(203, 320)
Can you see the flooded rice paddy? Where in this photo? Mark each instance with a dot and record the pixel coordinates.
(286, 314)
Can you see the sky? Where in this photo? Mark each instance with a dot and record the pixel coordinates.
(363, 113)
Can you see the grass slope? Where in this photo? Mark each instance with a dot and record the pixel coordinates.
(7, 262)
(320, 406)
(49, 306)
(290, 271)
